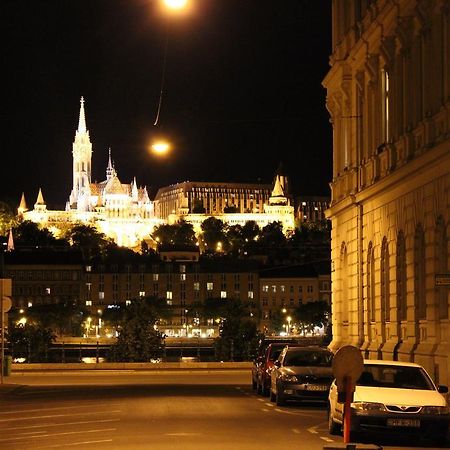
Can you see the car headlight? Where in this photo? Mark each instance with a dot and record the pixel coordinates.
(435, 410)
(368, 406)
(288, 378)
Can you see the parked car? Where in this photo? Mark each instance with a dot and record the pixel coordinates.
(265, 368)
(260, 357)
(301, 373)
(394, 397)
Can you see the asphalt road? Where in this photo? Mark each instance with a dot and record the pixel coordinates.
(154, 410)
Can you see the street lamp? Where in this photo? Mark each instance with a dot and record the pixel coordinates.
(172, 6)
(175, 4)
(288, 318)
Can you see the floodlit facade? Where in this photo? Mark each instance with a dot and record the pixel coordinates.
(123, 212)
(388, 94)
(232, 203)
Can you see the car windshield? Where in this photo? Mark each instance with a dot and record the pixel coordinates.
(402, 377)
(309, 358)
(275, 353)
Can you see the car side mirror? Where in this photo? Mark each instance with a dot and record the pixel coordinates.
(443, 389)
(277, 363)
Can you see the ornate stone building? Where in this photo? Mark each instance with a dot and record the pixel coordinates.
(233, 203)
(125, 213)
(388, 94)
(122, 211)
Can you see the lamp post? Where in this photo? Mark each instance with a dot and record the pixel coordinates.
(172, 7)
(288, 318)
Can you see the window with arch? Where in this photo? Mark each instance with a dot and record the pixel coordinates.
(385, 291)
(401, 276)
(344, 283)
(419, 273)
(371, 283)
(441, 265)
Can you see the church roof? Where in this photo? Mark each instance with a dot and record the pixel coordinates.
(114, 186)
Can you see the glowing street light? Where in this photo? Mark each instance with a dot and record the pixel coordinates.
(175, 4)
(160, 147)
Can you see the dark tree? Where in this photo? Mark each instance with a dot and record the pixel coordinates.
(91, 242)
(138, 340)
(8, 218)
(29, 234)
(312, 314)
(239, 335)
(63, 319)
(214, 235)
(30, 342)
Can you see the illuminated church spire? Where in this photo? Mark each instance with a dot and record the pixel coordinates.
(110, 167)
(82, 119)
(82, 155)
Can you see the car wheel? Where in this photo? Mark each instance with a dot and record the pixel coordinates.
(440, 439)
(333, 427)
(279, 399)
(273, 397)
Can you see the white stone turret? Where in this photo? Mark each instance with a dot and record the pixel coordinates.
(40, 203)
(134, 191)
(22, 206)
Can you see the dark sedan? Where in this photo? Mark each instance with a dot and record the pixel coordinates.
(301, 373)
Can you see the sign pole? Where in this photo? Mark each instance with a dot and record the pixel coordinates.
(347, 408)
(2, 324)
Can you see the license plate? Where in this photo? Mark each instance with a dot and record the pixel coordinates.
(403, 423)
(315, 387)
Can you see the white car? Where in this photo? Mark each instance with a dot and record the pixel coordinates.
(393, 397)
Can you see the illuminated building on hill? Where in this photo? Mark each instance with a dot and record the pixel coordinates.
(125, 213)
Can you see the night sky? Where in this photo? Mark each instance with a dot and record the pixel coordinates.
(242, 92)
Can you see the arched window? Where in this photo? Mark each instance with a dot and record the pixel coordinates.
(441, 265)
(401, 276)
(420, 302)
(344, 283)
(385, 292)
(371, 283)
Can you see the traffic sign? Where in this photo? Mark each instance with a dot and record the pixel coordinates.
(6, 304)
(347, 363)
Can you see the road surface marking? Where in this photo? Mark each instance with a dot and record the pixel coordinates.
(34, 432)
(269, 404)
(51, 409)
(182, 434)
(12, 419)
(73, 444)
(313, 430)
(298, 413)
(83, 422)
(296, 430)
(261, 400)
(265, 410)
(100, 430)
(326, 439)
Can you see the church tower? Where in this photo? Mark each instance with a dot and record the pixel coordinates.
(82, 154)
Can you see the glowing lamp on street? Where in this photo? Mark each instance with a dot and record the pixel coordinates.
(160, 147)
(175, 4)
